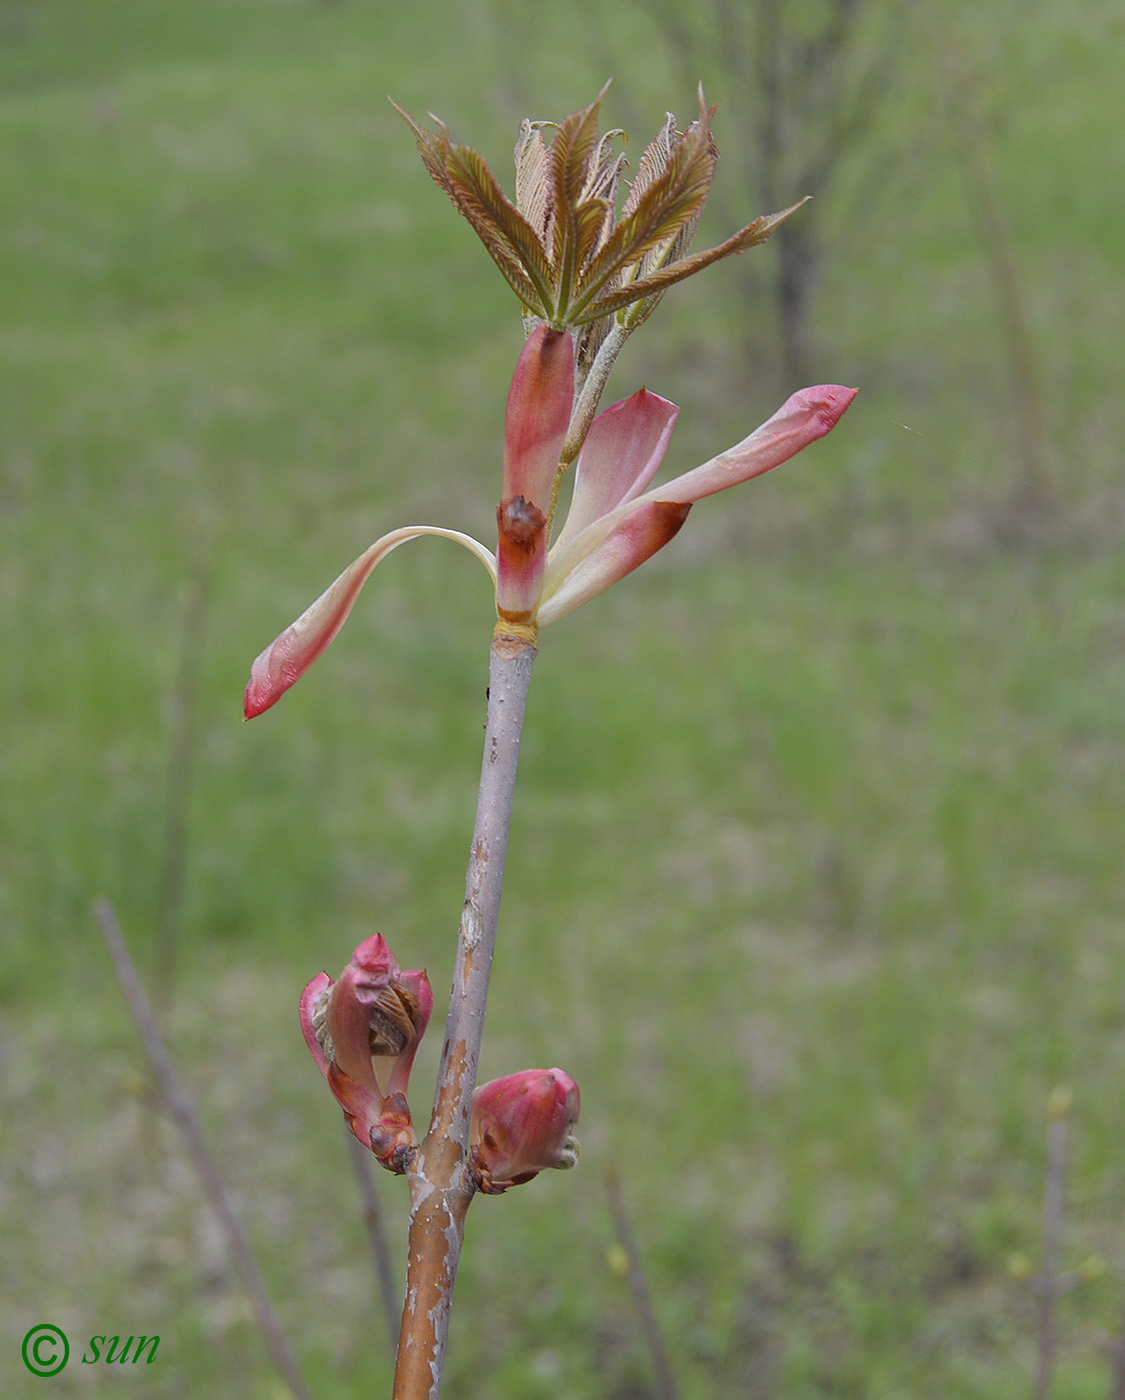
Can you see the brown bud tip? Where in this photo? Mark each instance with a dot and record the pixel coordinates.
(521, 522)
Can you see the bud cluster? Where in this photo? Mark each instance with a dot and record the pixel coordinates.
(588, 269)
(363, 1030)
(587, 274)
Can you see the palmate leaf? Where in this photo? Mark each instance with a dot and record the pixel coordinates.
(571, 260)
(573, 148)
(592, 219)
(571, 152)
(654, 158)
(605, 169)
(671, 201)
(434, 148)
(534, 194)
(476, 193)
(665, 277)
(512, 270)
(489, 209)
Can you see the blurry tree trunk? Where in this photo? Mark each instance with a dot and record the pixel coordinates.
(1117, 1365)
(810, 75)
(1031, 498)
(804, 80)
(797, 250)
(795, 281)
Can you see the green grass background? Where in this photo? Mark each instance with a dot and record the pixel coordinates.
(816, 877)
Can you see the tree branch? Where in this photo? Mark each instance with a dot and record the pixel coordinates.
(440, 1185)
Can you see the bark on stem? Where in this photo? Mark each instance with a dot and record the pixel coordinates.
(440, 1186)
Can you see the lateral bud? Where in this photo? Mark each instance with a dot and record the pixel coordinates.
(521, 1125)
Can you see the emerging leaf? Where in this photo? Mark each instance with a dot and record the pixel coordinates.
(562, 247)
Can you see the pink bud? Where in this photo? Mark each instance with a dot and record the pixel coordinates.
(535, 427)
(521, 1125)
(538, 415)
(363, 1031)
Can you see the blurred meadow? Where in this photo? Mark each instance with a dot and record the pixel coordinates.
(816, 876)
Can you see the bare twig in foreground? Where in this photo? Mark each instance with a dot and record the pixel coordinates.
(180, 1107)
(389, 1296)
(1053, 1205)
(666, 1386)
(1116, 1352)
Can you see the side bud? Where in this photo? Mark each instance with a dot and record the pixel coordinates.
(363, 1031)
(521, 1125)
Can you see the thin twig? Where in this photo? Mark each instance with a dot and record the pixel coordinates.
(180, 1107)
(666, 1386)
(1054, 1199)
(440, 1185)
(1116, 1351)
(389, 1295)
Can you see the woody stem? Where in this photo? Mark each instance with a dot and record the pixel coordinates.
(440, 1184)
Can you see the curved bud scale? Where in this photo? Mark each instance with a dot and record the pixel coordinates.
(537, 416)
(625, 542)
(286, 659)
(804, 417)
(622, 453)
